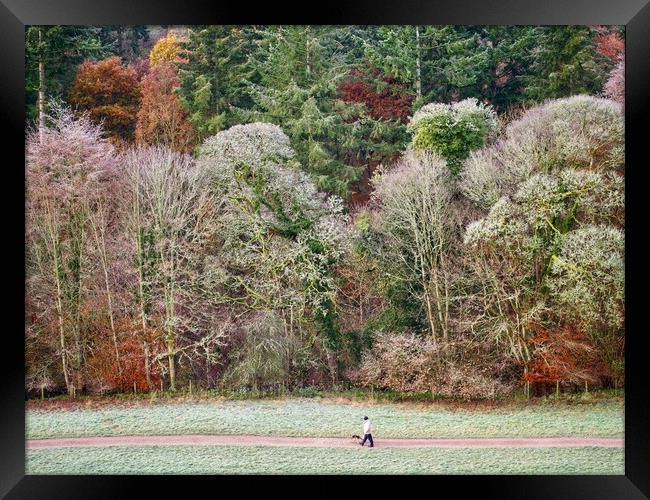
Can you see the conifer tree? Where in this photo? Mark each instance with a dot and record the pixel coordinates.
(565, 63)
(52, 54)
(298, 85)
(214, 68)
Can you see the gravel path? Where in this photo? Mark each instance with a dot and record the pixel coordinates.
(205, 440)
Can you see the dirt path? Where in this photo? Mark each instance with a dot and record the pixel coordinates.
(323, 442)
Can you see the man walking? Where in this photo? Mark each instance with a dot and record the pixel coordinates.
(367, 432)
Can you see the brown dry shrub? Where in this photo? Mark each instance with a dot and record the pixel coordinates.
(462, 369)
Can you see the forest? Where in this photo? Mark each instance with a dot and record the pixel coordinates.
(421, 209)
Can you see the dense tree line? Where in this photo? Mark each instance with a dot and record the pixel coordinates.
(420, 208)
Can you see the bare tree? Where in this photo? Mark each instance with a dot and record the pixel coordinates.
(68, 162)
(168, 222)
(414, 200)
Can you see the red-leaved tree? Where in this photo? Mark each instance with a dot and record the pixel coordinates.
(609, 45)
(385, 97)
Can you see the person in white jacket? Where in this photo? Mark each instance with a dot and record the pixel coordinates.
(367, 432)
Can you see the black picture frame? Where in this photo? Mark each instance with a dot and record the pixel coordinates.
(16, 14)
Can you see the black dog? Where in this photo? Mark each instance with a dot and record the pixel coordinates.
(354, 436)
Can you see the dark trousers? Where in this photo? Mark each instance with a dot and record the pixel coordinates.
(369, 438)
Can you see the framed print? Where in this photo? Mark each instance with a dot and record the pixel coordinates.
(385, 240)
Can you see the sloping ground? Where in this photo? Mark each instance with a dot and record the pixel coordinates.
(189, 440)
(326, 419)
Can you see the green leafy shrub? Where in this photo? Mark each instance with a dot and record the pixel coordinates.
(453, 130)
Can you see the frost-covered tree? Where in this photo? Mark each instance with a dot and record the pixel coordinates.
(552, 181)
(415, 233)
(587, 279)
(70, 166)
(278, 236)
(579, 132)
(615, 85)
(170, 220)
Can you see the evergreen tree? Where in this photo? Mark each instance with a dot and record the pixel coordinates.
(397, 51)
(299, 74)
(216, 64)
(565, 63)
(451, 63)
(485, 62)
(52, 54)
(127, 42)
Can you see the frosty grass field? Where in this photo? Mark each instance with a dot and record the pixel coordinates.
(302, 417)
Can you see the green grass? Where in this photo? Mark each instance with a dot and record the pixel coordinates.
(311, 417)
(284, 460)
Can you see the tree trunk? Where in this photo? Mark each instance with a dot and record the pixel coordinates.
(439, 309)
(527, 386)
(59, 310)
(172, 365)
(418, 69)
(147, 366)
(308, 63)
(207, 367)
(100, 240)
(41, 88)
(430, 317)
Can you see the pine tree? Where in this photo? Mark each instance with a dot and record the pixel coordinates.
(564, 63)
(52, 54)
(216, 65)
(451, 63)
(299, 74)
(127, 42)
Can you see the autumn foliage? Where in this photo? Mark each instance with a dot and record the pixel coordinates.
(565, 355)
(165, 50)
(161, 118)
(131, 372)
(385, 97)
(610, 45)
(109, 93)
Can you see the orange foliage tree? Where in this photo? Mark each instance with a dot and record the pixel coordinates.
(106, 375)
(109, 93)
(564, 355)
(162, 118)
